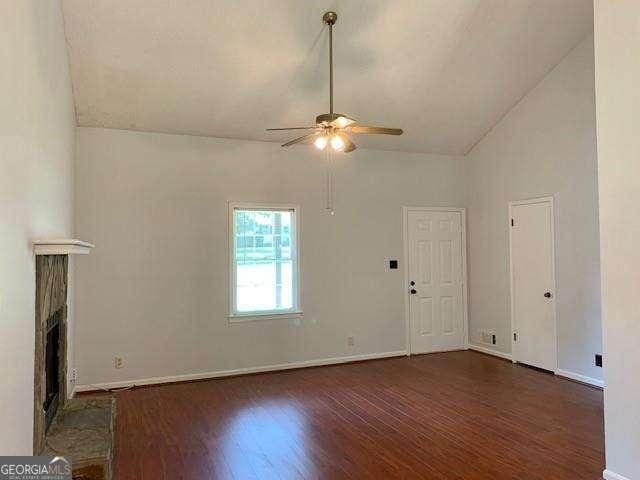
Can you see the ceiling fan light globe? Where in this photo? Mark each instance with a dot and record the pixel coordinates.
(337, 143)
(320, 142)
(344, 122)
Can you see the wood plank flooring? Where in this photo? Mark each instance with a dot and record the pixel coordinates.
(459, 415)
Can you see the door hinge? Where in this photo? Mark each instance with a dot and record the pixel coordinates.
(515, 337)
(513, 224)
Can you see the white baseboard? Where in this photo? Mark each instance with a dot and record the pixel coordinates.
(238, 371)
(609, 475)
(490, 351)
(580, 378)
(443, 350)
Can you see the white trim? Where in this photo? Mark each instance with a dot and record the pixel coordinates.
(264, 316)
(532, 201)
(580, 378)
(490, 351)
(443, 350)
(465, 283)
(239, 371)
(405, 280)
(609, 475)
(61, 246)
(296, 232)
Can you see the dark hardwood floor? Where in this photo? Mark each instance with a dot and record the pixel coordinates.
(459, 415)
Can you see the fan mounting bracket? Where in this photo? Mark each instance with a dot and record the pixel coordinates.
(330, 18)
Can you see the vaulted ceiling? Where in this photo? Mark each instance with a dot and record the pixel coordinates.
(445, 71)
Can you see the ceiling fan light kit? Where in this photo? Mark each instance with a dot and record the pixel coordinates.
(337, 143)
(333, 128)
(321, 142)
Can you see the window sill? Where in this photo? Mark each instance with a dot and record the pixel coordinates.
(263, 316)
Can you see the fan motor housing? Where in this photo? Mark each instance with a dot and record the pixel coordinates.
(328, 117)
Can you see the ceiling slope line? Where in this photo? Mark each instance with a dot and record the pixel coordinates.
(473, 145)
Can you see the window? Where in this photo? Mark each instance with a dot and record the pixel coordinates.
(264, 260)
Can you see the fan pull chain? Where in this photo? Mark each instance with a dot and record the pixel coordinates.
(329, 181)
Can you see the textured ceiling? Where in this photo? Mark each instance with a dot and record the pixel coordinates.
(443, 70)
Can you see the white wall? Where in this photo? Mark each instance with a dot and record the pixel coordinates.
(155, 288)
(36, 189)
(617, 43)
(545, 145)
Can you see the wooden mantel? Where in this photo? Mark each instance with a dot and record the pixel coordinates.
(61, 246)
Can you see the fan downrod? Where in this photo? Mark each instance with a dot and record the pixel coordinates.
(330, 18)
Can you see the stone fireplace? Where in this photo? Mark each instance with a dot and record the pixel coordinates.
(51, 332)
(78, 429)
(51, 343)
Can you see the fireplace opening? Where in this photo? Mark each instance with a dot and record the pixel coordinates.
(52, 366)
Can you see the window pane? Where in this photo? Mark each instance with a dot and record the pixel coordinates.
(264, 260)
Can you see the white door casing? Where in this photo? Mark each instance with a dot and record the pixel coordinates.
(435, 260)
(533, 288)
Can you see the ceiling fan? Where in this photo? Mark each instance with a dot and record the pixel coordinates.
(334, 128)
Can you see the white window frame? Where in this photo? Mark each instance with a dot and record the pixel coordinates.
(296, 310)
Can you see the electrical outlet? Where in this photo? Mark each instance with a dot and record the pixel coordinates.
(118, 362)
(74, 375)
(598, 360)
(351, 341)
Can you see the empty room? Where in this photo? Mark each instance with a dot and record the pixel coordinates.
(338, 239)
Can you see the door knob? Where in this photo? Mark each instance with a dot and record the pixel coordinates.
(413, 291)
(547, 295)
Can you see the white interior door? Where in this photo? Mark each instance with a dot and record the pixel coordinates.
(435, 272)
(533, 283)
